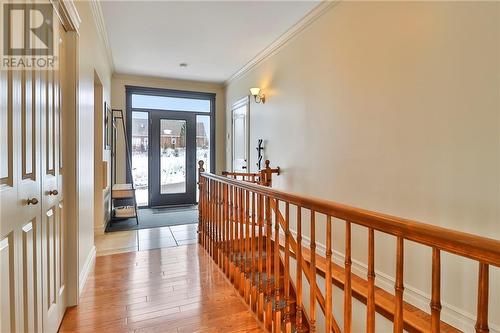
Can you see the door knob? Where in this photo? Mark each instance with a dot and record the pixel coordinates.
(32, 201)
(53, 192)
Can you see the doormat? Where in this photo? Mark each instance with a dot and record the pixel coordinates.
(157, 218)
(162, 210)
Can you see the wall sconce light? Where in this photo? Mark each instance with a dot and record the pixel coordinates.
(257, 95)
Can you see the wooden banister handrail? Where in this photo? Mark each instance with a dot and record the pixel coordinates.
(243, 229)
(262, 177)
(467, 245)
(227, 173)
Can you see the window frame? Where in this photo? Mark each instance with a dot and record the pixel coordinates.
(163, 92)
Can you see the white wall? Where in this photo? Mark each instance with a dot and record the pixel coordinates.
(119, 82)
(91, 57)
(392, 107)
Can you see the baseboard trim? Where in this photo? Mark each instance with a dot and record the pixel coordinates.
(450, 314)
(87, 267)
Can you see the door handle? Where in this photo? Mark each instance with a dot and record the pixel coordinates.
(244, 167)
(53, 192)
(32, 201)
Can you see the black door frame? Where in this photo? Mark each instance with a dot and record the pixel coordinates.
(130, 90)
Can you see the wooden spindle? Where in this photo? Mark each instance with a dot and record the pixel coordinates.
(237, 247)
(277, 285)
(211, 218)
(312, 282)
(269, 290)
(214, 221)
(236, 230)
(260, 281)
(482, 299)
(347, 282)
(200, 213)
(205, 212)
(242, 242)
(226, 229)
(436, 291)
(243, 235)
(231, 232)
(298, 275)
(252, 246)
(211, 221)
(221, 225)
(370, 301)
(248, 258)
(217, 222)
(399, 287)
(247, 232)
(328, 276)
(286, 319)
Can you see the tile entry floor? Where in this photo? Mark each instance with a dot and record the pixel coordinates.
(145, 239)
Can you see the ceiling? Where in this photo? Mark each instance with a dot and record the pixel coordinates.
(215, 38)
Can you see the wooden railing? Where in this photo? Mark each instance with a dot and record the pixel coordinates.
(263, 177)
(246, 228)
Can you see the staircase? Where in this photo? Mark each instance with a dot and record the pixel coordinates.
(254, 234)
(260, 281)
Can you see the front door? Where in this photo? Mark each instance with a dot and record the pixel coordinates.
(173, 158)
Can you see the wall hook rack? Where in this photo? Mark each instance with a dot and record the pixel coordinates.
(259, 148)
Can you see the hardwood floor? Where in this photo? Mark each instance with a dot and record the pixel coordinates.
(171, 290)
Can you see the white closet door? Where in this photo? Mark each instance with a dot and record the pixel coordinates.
(53, 235)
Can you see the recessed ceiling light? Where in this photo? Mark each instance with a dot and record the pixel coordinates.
(183, 65)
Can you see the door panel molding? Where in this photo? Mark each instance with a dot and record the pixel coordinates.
(29, 126)
(6, 178)
(31, 274)
(7, 285)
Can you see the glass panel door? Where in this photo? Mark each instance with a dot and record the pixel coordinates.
(173, 158)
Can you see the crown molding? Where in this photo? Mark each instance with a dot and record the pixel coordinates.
(95, 6)
(68, 14)
(282, 40)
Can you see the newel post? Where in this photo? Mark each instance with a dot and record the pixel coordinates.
(266, 174)
(200, 201)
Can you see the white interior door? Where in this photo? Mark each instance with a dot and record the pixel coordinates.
(31, 218)
(240, 133)
(20, 196)
(53, 235)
